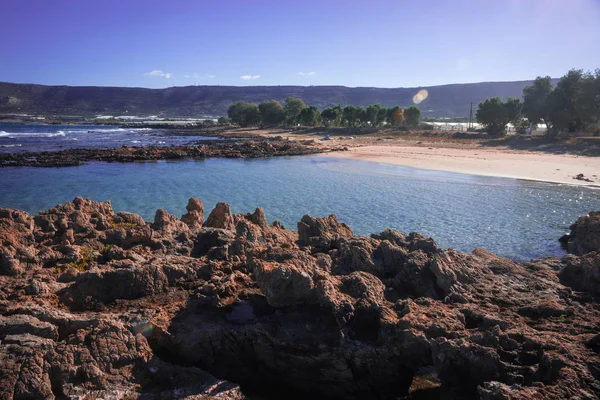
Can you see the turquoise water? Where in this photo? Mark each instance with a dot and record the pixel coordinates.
(512, 218)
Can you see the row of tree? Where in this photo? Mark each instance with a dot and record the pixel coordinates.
(572, 106)
(294, 111)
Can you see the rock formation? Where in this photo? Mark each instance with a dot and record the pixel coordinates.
(95, 304)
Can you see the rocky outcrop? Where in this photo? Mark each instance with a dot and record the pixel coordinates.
(258, 147)
(584, 236)
(322, 233)
(109, 306)
(195, 214)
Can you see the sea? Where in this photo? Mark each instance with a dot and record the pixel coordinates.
(17, 137)
(513, 218)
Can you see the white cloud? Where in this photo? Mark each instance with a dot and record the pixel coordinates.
(249, 77)
(307, 73)
(200, 76)
(159, 73)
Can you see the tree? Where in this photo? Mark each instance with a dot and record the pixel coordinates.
(373, 114)
(412, 116)
(361, 115)
(590, 98)
(223, 120)
(394, 116)
(244, 114)
(339, 111)
(514, 109)
(293, 107)
(494, 114)
(349, 116)
(536, 103)
(271, 112)
(310, 116)
(330, 116)
(564, 103)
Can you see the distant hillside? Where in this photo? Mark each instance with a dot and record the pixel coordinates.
(194, 101)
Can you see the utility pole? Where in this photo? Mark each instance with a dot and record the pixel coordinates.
(470, 117)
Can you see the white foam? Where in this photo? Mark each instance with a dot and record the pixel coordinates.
(11, 145)
(3, 134)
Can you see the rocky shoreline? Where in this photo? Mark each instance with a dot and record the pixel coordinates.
(255, 148)
(95, 304)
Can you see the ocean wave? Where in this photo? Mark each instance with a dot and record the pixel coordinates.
(135, 141)
(10, 145)
(12, 135)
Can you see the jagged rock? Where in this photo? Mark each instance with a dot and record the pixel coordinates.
(21, 324)
(167, 223)
(8, 264)
(195, 214)
(582, 273)
(584, 236)
(220, 217)
(209, 238)
(259, 218)
(317, 313)
(106, 286)
(129, 218)
(322, 233)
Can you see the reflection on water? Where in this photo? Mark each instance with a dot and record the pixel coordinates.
(514, 218)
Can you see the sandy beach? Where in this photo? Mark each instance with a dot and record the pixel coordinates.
(499, 162)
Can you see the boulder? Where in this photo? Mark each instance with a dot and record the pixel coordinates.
(322, 233)
(584, 236)
(220, 217)
(195, 214)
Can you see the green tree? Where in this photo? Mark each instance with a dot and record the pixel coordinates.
(536, 102)
(223, 120)
(349, 116)
(271, 112)
(244, 114)
(310, 116)
(373, 114)
(590, 98)
(293, 107)
(494, 114)
(330, 116)
(340, 112)
(412, 116)
(565, 101)
(361, 115)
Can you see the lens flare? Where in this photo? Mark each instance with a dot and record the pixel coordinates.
(144, 328)
(420, 96)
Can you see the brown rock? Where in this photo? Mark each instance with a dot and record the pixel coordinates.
(195, 214)
(220, 217)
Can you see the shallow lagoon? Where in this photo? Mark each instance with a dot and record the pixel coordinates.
(513, 218)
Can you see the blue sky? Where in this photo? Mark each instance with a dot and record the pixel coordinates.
(382, 43)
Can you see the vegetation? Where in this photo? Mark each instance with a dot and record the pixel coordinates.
(224, 120)
(293, 108)
(572, 106)
(295, 111)
(271, 113)
(412, 115)
(495, 114)
(244, 114)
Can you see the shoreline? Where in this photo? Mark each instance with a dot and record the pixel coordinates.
(499, 163)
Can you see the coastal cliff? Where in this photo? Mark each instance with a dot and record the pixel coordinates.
(95, 304)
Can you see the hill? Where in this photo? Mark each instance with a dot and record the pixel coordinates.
(193, 101)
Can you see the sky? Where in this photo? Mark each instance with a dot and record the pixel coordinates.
(378, 43)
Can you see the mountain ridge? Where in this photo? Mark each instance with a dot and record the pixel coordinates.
(449, 100)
